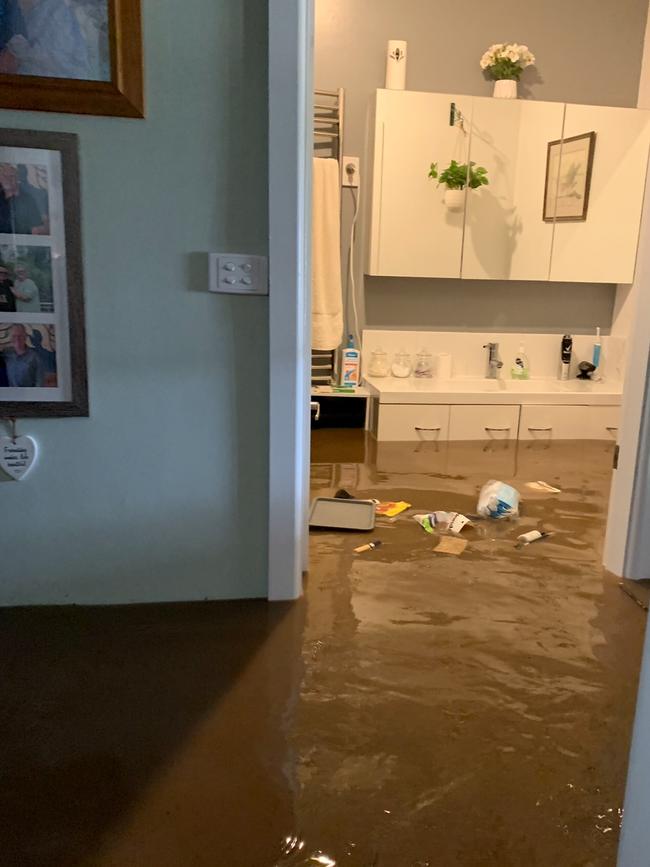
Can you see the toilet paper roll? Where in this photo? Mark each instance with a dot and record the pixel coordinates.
(396, 65)
(444, 365)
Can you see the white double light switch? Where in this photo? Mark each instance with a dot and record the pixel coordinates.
(238, 274)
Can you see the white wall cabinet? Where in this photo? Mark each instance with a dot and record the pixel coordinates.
(408, 135)
(500, 232)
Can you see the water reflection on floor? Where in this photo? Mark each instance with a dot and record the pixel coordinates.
(471, 710)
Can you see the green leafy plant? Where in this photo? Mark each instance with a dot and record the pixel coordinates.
(459, 175)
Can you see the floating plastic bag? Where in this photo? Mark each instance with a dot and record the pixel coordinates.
(498, 500)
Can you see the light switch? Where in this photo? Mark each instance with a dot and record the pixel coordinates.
(237, 273)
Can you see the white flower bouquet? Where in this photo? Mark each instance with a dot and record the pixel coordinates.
(506, 61)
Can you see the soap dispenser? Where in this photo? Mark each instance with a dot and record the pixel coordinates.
(520, 367)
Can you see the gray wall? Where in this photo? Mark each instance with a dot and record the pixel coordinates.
(588, 52)
(161, 494)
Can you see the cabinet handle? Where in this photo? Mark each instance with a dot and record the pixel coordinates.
(427, 428)
(539, 429)
(497, 428)
(315, 408)
(611, 429)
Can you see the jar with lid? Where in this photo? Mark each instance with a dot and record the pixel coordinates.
(423, 365)
(401, 366)
(379, 363)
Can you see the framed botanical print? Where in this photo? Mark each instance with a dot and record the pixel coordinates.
(78, 56)
(569, 164)
(42, 337)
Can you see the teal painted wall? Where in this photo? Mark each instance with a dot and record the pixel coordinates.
(162, 493)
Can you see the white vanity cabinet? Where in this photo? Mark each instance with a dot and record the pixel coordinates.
(492, 422)
(517, 227)
(545, 423)
(484, 422)
(412, 422)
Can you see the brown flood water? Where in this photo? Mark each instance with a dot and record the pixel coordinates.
(471, 710)
(415, 709)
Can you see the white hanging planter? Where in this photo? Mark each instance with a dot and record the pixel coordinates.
(454, 199)
(505, 88)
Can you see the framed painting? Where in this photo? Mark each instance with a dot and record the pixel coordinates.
(77, 56)
(569, 164)
(42, 335)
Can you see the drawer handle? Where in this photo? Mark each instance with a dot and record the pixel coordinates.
(427, 428)
(497, 428)
(611, 429)
(539, 429)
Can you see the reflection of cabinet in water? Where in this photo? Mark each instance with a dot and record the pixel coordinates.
(501, 233)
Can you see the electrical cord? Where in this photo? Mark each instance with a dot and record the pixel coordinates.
(351, 287)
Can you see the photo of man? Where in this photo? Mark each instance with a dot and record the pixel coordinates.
(23, 207)
(59, 38)
(28, 355)
(26, 274)
(25, 292)
(23, 366)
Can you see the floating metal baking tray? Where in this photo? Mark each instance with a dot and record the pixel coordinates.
(329, 513)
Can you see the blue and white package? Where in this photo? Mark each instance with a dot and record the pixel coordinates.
(498, 500)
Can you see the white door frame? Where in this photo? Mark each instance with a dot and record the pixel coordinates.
(291, 26)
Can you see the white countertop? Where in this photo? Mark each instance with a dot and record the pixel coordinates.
(573, 392)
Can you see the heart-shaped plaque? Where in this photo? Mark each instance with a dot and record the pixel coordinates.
(17, 456)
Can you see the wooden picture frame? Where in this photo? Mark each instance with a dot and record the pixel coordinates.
(569, 166)
(59, 387)
(121, 95)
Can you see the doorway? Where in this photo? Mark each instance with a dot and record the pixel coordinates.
(291, 88)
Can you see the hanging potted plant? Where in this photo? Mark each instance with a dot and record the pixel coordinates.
(504, 62)
(456, 177)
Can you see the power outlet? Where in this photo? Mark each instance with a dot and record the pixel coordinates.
(350, 171)
(238, 274)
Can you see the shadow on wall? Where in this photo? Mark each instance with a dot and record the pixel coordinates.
(150, 735)
(394, 302)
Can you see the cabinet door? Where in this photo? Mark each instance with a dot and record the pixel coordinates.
(420, 458)
(484, 422)
(412, 422)
(413, 233)
(505, 236)
(545, 423)
(600, 247)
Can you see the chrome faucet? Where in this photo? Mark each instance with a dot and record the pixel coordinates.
(494, 363)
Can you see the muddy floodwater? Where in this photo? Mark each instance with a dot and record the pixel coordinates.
(415, 709)
(471, 710)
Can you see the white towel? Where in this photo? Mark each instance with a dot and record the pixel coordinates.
(327, 291)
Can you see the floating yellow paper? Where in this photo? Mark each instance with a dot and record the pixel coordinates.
(390, 510)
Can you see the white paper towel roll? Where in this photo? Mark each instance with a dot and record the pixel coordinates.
(396, 65)
(444, 365)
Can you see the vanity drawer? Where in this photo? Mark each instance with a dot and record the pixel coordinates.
(408, 422)
(484, 422)
(412, 457)
(569, 423)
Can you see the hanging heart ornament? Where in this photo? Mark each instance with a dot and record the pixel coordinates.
(17, 456)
